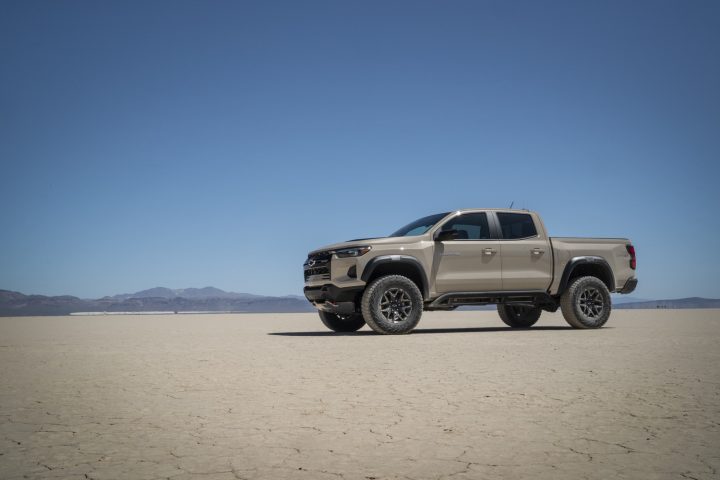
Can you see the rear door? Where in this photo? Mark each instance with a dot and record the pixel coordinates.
(526, 253)
(470, 263)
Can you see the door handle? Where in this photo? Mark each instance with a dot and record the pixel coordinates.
(537, 251)
(489, 251)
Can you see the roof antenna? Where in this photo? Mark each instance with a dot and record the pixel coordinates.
(511, 204)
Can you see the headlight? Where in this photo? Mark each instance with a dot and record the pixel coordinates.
(352, 252)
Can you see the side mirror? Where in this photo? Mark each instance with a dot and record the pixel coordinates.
(443, 235)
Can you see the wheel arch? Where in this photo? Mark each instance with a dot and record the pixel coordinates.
(587, 266)
(405, 265)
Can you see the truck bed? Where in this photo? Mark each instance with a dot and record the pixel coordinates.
(613, 250)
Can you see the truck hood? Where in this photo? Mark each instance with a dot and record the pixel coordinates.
(365, 241)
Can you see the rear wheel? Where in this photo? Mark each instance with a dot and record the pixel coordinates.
(518, 316)
(392, 304)
(342, 323)
(586, 303)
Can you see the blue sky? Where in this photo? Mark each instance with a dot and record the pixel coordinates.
(214, 143)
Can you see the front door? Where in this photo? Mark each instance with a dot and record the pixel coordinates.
(471, 261)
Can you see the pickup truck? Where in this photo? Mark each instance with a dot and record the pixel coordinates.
(468, 257)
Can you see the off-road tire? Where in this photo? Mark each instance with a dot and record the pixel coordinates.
(586, 303)
(518, 317)
(342, 323)
(392, 296)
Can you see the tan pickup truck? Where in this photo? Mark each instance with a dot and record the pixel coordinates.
(468, 257)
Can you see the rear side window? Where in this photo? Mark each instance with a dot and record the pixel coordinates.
(470, 226)
(516, 225)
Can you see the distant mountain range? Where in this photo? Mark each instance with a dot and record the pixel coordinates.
(159, 299)
(211, 299)
(692, 302)
(190, 293)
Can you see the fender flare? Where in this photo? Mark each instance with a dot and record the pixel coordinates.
(397, 259)
(586, 260)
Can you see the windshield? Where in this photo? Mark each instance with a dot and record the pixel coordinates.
(418, 227)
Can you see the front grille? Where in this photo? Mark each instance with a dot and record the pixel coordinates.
(317, 266)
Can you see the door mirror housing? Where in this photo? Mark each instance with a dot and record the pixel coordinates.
(446, 235)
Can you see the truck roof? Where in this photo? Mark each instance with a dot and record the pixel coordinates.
(519, 210)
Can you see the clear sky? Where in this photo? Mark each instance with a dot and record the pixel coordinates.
(201, 143)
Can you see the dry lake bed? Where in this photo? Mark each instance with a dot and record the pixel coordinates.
(276, 396)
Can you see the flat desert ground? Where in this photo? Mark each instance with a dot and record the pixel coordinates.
(276, 396)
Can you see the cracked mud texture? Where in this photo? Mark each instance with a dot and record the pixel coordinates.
(276, 396)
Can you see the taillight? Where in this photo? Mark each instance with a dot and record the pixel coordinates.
(633, 261)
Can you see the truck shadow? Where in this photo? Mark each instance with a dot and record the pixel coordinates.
(423, 330)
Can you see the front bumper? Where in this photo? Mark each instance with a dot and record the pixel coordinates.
(629, 286)
(333, 299)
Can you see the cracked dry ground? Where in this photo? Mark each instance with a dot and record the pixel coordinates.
(276, 396)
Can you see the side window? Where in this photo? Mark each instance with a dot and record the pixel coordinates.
(516, 225)
(470, 226)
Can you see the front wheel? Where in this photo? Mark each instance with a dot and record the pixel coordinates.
(342, 323)
(518, 316)
(586, 303)
(392, 304)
